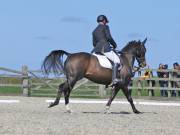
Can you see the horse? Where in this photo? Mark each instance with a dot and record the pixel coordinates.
(85, 65)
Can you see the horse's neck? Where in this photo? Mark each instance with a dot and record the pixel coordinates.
(128, 60)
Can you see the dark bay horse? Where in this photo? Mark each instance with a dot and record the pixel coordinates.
(80, 65)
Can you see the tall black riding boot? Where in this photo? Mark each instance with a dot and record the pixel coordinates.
(115, 80)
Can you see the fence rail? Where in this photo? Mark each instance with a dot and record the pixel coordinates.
(29, 81)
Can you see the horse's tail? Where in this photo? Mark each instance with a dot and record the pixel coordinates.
(53, 63)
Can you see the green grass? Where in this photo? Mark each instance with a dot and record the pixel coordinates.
(10, 91)
(89, 90)
(81, 92)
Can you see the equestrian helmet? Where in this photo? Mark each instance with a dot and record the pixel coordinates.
(101, 18)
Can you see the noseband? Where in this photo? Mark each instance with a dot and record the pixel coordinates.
(140, 59)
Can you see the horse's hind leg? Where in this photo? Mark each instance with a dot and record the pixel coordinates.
(71, 82)
(62, 88)
(129, 98)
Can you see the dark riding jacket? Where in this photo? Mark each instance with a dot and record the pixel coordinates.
(102, 39)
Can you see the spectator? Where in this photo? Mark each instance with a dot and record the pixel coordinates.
(146, 76)
(163, 74)
(176, 74)
(149, 74)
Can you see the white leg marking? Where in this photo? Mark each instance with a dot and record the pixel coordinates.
(68, 109)
(107, 110)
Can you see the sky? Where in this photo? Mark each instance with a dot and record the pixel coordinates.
(31, 29)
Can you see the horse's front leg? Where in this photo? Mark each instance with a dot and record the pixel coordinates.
(113, 95)
(129, 98)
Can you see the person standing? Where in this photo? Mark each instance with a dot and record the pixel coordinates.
(162, 83)
(176, 74)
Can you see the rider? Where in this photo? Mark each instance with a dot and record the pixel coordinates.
(104, 43)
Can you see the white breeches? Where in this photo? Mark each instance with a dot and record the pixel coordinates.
(112, 56)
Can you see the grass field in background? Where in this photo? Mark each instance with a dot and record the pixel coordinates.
(88, 90)
(81, 92)
(11, 91)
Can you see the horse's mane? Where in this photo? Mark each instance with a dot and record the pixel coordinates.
(131, 45)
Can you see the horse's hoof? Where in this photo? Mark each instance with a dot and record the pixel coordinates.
(107, 110)
(69, 111)
(137, 112)
(51, 105)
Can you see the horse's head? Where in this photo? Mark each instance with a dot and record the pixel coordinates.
(140, 53)
(138, 50)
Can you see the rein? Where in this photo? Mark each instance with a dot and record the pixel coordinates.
(135, 68)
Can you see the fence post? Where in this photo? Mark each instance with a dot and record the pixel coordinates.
(150, 91)
(169, 84)
(102, 91)
(25, 81)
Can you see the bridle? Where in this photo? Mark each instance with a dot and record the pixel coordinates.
(139, 59)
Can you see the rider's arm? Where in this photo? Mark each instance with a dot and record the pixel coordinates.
(94, 41)
(109, 37)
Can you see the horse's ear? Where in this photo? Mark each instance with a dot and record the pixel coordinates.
(143, 43)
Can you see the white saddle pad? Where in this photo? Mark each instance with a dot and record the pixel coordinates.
(104, 62)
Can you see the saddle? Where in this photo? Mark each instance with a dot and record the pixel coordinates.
(104, 61)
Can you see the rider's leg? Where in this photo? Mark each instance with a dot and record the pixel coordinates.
(113, 57)
(115, 78)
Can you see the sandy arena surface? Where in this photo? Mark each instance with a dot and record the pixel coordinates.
(32, 117)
